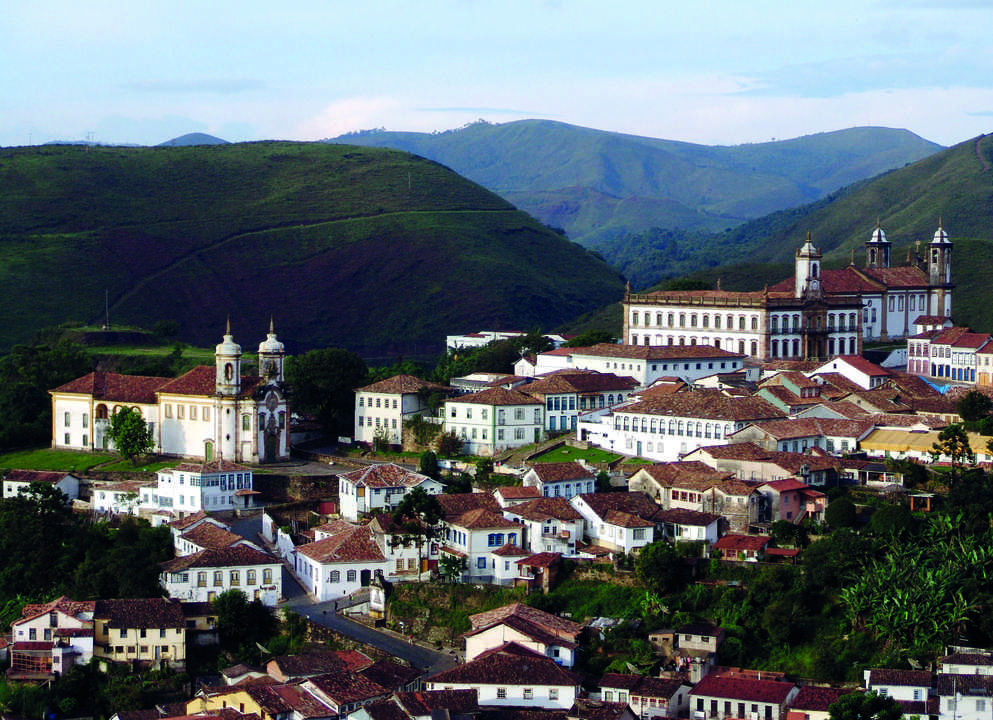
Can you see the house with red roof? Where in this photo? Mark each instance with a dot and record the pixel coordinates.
(472, 538)
(867, 375)
(619, 522)
(550, 635)
(560, 479)
(382, 407)
(379, 487)
(209, 413)
(741, 547)
(813, 702)
(203, 575)
(792, 500)
(15, 481)
(740, 697)
(568, 393)
(665, 428)
(551, 524)
(648, 697)
(342, 559)
(189, 488)
(494, 420)
(512, 675)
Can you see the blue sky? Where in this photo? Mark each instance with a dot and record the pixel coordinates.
(712, 72)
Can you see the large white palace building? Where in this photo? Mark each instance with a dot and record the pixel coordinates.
(815, 314)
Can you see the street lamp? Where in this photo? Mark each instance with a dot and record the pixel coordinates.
(401, 628)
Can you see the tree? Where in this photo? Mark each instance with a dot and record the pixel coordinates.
(130, 434)
(451, 567)
(590, 338)
(841, 513)
(242, 623)
(429, 464)
(865, 706)
(660, 566)
(891, 520)
(953, 443)
(323, 384)
(450, 445)
(603, 482)
(417, 517)
(974, 406)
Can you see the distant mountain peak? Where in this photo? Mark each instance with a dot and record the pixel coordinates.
(195, 138)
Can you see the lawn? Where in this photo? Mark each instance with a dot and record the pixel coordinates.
(565, 454)
(76, 461)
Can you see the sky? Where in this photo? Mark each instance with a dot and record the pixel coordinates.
(715, 72)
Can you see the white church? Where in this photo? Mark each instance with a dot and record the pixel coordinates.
(207, 414)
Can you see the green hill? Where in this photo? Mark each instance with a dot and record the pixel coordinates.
(370, 249)
(600, 186)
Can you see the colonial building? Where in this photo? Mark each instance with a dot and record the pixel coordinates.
(207, 413)
(816, 314)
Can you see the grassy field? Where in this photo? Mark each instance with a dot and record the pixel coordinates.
(79, 462)
(566, 454)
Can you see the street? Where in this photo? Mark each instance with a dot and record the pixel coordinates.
(324, 614)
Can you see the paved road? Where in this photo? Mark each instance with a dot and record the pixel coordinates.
(324, 614)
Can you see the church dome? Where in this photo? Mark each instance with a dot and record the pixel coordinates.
(228, 346)
(271, 345)
(940, 236)
(878, 235)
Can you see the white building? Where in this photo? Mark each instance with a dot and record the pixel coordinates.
(551, 524)
(204, 575)
(495, 420)
(549, 635)
(474, 535)
(189, 488)
(343, 559)
(207, 413)
(382, 407)
(379, 487)
(16, 481)
(621, 522)
(648, 363)
(560, 479)
(568, 393)
(667, 427)
(817, 313)
(119, 498)
(512, 675)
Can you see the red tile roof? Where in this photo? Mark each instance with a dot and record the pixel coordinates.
(208, 535)
(41, 476)
(546, 508)
(237, 556)
(498, 396)
(457, 702)
(517, 492)
(817, 699)
(632, 503)
(482, 519)
(457, 504)
(140, 613)
(351, 546)
(209, 468)
(403, 385)
(113, 387)
(765, 691)
(202, 381)
(705, 404)
(560, 627)
(386, 475)
(508, 664)
(561, 471)
(742, 543)
(571, 381)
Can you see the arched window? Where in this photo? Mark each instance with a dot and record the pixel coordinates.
(755, 323)
(706, 321)
(774, 323)
(699, 429)
(627, 424)
(717, 322)
(617, 422)
(672, 427)
(653, 424)
(644, 424)
(351, 576)
(610, 399)
(693, 320)
(741, 322)
(679, 429)
(335, 576)
(708, 430)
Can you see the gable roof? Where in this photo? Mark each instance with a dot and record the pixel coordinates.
(41, 476)
(817, 699)
(546, 508)
(656, 352)
(629, 503)
(742, 543)
(144, 613)
(765, 691)
(561, 471)
(457, 702)
(235, 556)
(208, 535)
(202, 381)
(72, 608)
(456, 504)
(498, 396)
(509, 664)
(384, 475)
(113, 387)
(402, 385)
(350, 546)
(558, 626)
(585, 381)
